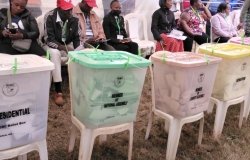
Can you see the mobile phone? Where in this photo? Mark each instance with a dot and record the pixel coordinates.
(13, 30)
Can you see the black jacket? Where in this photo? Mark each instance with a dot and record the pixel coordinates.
(53, 30)
(163, 21)
(111, 29)
(30, 31)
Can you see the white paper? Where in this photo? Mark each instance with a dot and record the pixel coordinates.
(177, 35)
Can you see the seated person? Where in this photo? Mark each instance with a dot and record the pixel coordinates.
(222, 27)
(92, 34)
(192, 22)
(61, 29)
(24, 27)
(113, 25)
(163, 22)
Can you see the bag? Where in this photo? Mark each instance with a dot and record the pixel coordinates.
(21, 45)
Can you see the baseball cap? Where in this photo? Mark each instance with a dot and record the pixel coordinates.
(91, 3)
(64, 4)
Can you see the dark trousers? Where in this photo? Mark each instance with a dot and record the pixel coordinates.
(35, 48)
(222, 39)
(200, 39)
(131, 47)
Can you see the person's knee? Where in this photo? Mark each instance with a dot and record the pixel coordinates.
(134, 44)
(54, 53)
(55, 56)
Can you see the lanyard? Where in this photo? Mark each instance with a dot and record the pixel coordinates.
(64, 28)
(196, 13)
(117, 20)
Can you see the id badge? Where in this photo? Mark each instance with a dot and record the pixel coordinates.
(120, 37)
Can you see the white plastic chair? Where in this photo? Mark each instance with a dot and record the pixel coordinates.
(221, 112)
(248, 106)
(40, 23)
(88, 135)
(134, 24)
(22, 151)
(172, 124)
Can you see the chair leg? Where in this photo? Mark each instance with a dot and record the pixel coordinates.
(150, 121)
(43, 153)
(92, 141)
(85, 144)
(173, 138)
(131, 133)
(22, 157)
(220, 116)
(166, 126)
(247, 107)
(247, 112)
(243, 109)
(201, 131)
(72, 138)
(210, 107)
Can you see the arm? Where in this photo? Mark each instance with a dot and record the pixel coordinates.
(154, 26)
(206, 14)
(1, 27)
(216, 27)
(183, 22)
(76, 27)
(101, 34)
(3, 23)
(33, 32)
(107, 31)
(49, 33)
(123, 30)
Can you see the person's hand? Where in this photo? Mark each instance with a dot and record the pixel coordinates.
(197, 33)
(6, 33)
(63, 48)
(70, 48)
(203, 6)
(240, 26)
(16, 36)
(91, 40)
(99, 39)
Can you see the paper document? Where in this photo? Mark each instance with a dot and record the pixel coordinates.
(177, 35)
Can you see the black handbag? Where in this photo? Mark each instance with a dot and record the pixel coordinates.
(21, 45)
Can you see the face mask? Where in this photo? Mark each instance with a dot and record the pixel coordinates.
(116, 12)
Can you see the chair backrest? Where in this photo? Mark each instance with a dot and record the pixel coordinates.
(134, 22)
(40, 22)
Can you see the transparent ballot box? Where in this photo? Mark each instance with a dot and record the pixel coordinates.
(232, 79)
(106, 86)
(183, 82)
(24, 98)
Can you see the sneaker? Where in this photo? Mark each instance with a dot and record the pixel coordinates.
(59, 99)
